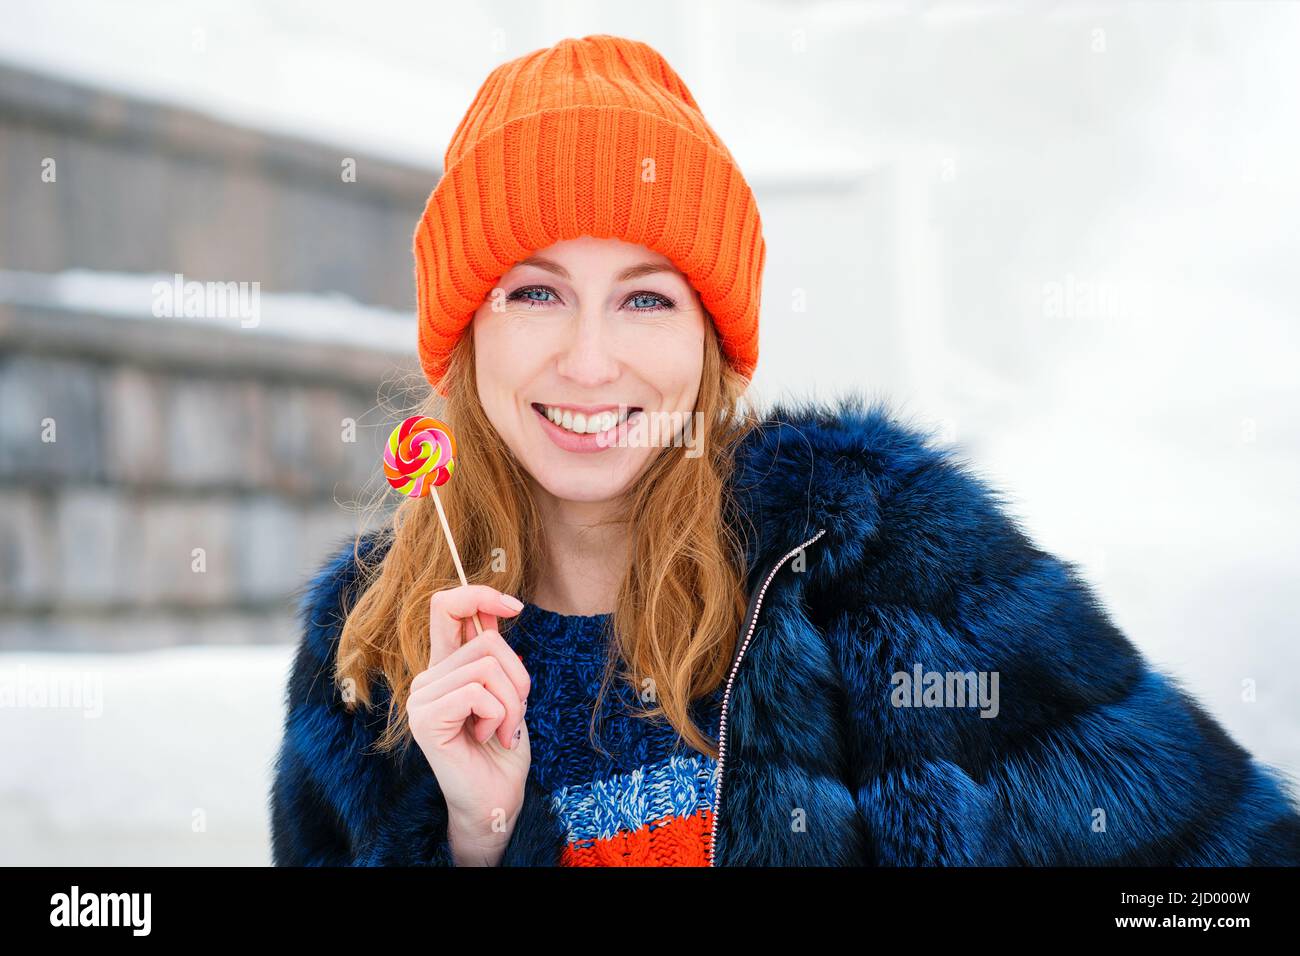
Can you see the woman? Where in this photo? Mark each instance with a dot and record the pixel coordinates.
(807, 639)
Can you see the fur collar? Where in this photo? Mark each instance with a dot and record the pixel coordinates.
(813, 466)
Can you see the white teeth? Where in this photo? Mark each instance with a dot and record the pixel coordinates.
(582, 425)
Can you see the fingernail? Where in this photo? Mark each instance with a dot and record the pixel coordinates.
(519, 732)
(512, 602)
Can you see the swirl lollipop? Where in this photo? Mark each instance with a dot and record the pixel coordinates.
(420, 456)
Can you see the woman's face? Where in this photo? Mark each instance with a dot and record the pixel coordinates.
(585, 331)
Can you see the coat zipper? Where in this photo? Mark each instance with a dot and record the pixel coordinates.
(750, 625)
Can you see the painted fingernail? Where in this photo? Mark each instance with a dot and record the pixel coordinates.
(512, 602)
(519, 732)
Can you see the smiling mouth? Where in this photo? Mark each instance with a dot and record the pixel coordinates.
(578, 423)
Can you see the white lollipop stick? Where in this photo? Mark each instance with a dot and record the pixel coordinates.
(455, 555)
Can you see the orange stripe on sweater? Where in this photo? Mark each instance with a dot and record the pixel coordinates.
(672, 841)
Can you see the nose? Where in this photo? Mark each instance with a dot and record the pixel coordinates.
(586, 358)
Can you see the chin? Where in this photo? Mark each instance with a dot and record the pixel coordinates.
(578, 486)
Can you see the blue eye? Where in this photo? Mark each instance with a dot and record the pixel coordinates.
(662, 301)
(525, 296)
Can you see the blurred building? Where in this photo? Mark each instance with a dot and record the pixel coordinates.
(172, 465)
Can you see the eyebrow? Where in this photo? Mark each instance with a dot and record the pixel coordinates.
(632, 272)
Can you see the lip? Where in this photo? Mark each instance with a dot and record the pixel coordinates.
(584, 444)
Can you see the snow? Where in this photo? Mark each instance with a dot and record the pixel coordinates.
(333, 318)
(164, 758)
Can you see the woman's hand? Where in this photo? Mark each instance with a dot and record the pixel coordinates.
(466, 711)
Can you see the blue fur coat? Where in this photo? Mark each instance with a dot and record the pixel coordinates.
(885, 581)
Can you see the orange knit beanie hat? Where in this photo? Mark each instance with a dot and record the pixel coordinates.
(599, 137)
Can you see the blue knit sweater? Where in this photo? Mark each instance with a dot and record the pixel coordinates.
(639, 795)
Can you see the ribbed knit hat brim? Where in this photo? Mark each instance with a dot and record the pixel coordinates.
(594, 137)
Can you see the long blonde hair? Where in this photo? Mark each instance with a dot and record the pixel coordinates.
(682, 597)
